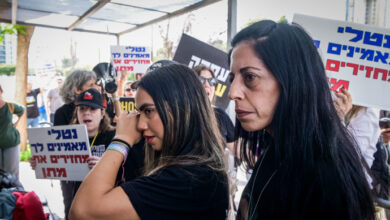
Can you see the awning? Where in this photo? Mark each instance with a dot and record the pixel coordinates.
(112, 17)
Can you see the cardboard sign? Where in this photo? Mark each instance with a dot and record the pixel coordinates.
(355, 56)
(193, 52)
(60, 152)
(127, 104)
(132, 59)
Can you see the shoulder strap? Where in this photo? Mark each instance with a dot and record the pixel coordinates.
(11, 107)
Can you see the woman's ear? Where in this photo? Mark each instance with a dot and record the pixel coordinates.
(103, 113)
(77, 91)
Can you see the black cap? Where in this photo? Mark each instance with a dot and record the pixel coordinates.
(91, 98)
(159, 64)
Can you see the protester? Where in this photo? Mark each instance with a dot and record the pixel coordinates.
(184, 169)
(54, 100)
(226, 127)
(9, 136)
(130, 89)
(363, 124)
(32, 105)
(90, 111)
(75, 83)
(306, 165)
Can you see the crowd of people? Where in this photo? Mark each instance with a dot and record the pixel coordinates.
(309, 151)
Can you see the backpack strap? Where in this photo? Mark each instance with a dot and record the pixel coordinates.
(11, 107)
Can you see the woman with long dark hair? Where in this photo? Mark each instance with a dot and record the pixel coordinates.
(184, 175)
(305, 163)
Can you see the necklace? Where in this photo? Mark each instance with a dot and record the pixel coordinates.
(264, 187)
(93, 141)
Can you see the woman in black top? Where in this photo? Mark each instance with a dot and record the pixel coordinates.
(75, 83)
(306, 165)
(184, 169)
(90, 112)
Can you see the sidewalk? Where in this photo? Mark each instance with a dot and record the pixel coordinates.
(47, 190)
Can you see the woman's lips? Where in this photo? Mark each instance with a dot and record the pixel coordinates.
(241, 113)
(149, 139)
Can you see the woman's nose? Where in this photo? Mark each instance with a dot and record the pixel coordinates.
(235, 90)
(142, 123)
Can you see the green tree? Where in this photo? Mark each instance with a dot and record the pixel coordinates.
(7, 69)
(11, 30)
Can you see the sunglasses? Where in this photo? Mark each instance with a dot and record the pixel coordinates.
(128, 90)
(212, 81)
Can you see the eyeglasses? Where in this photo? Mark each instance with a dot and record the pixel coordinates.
(128, 90)
(212, 81)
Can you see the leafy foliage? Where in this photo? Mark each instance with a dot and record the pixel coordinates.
(7, 69)
(11, 30)
(25, 155)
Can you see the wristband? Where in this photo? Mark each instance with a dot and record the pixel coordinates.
(115, 99)
(124, 151)
(120, 148)
(121, 141)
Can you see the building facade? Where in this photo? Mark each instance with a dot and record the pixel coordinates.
(372, 12)
(8, 50)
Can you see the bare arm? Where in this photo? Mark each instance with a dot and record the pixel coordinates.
(121, 82)
(97, 197)
(117, 106)
(17, 121)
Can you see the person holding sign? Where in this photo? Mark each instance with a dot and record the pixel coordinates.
(305, 163)
(75, 83)
(91, 112)
(184, 176)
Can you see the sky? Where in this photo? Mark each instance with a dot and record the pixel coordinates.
(50, 46)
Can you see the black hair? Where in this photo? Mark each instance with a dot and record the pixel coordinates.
(305, 128)
(191, 135)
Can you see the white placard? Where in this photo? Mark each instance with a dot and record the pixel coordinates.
(60, 152)
(355, 56)
(135, 59)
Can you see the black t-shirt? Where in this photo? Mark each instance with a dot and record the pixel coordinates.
(64, 114)
(180, 192)
(32, 105)
(225, 125)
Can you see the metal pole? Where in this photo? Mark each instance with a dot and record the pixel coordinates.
(232, 21)
(346, 10)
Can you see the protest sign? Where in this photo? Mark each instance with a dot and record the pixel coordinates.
(47, 69)
(355, 56)
(193, 52)
(129, 58)
(127, 104)
(60, 152)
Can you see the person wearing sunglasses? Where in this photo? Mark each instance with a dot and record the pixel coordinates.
(226, 127)
(129, 90)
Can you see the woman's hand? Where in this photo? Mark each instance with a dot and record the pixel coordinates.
(343, 103)
(92, 161)
(33, 163)
(126, 128)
